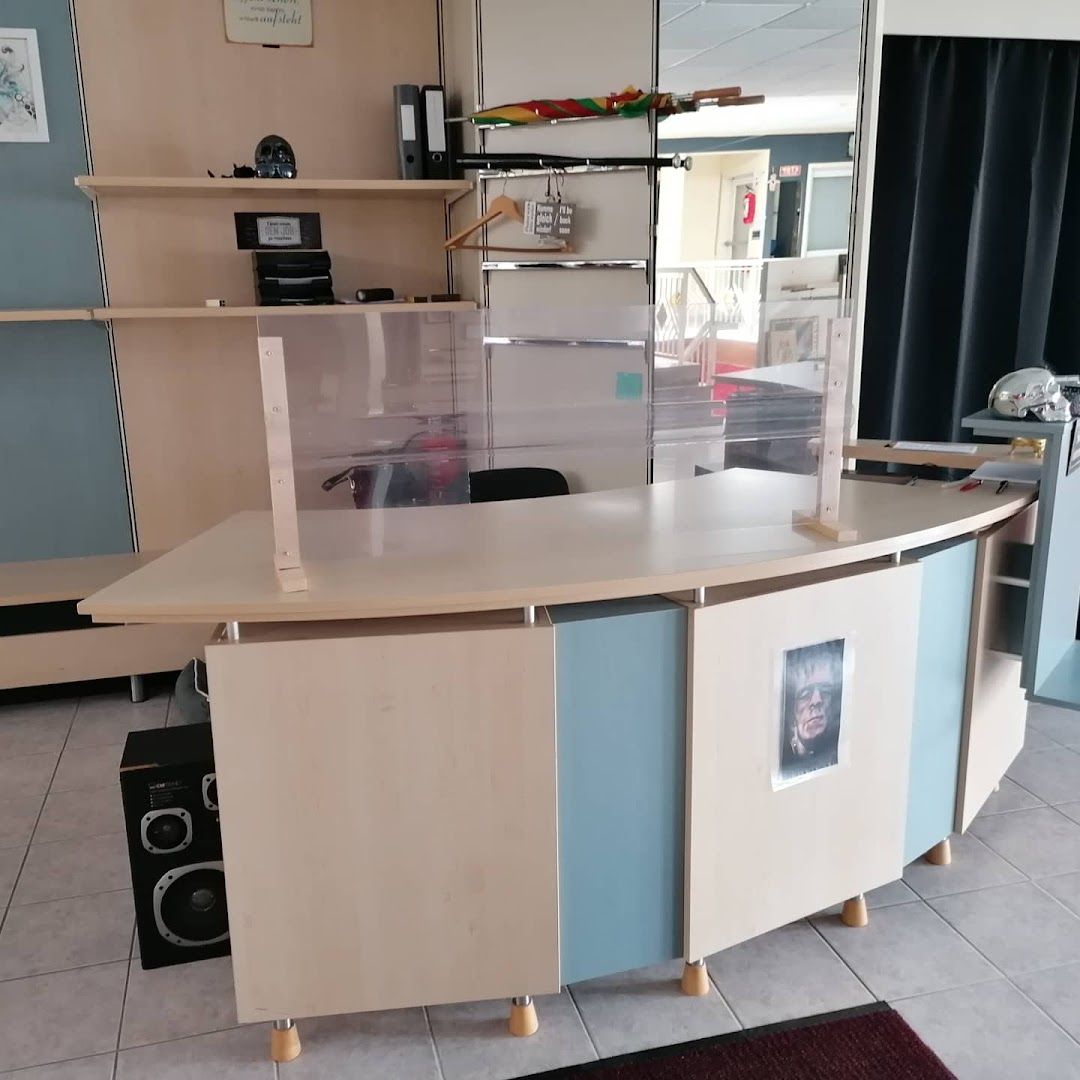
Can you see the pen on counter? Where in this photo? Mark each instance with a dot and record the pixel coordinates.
(1002, 486)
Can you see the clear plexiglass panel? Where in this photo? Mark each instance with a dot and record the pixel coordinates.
(407, 408)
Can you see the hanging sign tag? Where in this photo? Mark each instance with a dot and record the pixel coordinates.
(549, 217)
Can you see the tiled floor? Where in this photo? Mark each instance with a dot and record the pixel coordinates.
(981, 957)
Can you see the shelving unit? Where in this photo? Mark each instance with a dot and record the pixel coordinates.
(46, 641)
(211, 187)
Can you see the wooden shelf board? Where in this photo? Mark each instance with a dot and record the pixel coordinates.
(194, 186)
(112, 313)
(46, 581)
(48, 315)
(883, 451)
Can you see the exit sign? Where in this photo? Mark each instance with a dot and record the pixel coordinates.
(786, 172)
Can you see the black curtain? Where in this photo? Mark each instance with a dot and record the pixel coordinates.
(974, 265)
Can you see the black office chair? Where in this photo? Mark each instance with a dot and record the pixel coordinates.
(501, 485)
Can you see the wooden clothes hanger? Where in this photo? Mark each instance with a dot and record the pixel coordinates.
(500, 206)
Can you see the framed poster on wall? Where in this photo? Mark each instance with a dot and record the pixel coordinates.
(269, 22)
(22, 93)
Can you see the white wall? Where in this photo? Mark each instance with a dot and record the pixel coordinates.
(1046, 19)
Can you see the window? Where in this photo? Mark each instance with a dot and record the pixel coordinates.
(827, 216)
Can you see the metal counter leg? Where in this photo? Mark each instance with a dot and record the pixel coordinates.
(940, 854)
(284, 1041)
(523, 1021)
(138, 689)
(695, 978)
(854, 912)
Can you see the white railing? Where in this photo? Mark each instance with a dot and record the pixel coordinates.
(698, 302)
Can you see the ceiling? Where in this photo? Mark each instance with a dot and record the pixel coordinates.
(784, 49)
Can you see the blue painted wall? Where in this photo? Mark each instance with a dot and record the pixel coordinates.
(62, 484)
(948, 584)
(621, 700)
(783, 150)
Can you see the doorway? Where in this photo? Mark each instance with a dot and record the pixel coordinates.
(788, 204)
(744, 221)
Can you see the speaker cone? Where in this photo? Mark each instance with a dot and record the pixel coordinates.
(190, 907)
(166, 831)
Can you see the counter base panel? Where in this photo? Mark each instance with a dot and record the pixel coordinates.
(995, 710)
(758, 857)
(621, 695)
(390, 816)
(937, 725)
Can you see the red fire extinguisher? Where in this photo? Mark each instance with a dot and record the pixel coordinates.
(749, 208)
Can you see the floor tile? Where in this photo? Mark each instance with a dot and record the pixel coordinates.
(17, 820)
(74, 868)
(88, 1068)
(1009, 796)
(1016, 927)
(70, 815)
(200, 998)
(992, 1032)
(1056, 992)
(376, 1045)
(907, 949)
(1035, 740)
(473, 1043)
(1062, 725)
(62, 934)
(1070, 809)
(38, 728)
(90, 767)
(10, 862)
(241, 1053)
(646, 1008)
(105, 719)
(1052, 775)
(65, 1015)
(896, 892)
(973, 866)
(1037, 842)
(1065, 888)
(25, 777)
(785, 974)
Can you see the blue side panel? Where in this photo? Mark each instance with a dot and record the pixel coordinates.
(62, 484)
(621, 703)
(944, 621)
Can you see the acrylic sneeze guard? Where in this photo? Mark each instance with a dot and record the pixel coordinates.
(370, 416)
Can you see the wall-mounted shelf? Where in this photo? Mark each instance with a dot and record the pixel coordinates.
(115, 313)
(47, 315)
(200, 187)
(110, 314)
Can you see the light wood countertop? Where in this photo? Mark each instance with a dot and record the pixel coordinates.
(721, 529)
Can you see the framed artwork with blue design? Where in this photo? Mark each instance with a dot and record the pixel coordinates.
(22, 93)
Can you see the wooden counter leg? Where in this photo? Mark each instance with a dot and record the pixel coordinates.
(523, 1021)
(940, 854)
(284, 1041)
(695, 978)
(854, 913)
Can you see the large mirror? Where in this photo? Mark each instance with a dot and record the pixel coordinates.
(753, 240)
(765, 211)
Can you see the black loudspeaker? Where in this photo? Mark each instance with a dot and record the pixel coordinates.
(174, 844)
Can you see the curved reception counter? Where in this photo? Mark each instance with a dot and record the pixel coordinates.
(495, 749)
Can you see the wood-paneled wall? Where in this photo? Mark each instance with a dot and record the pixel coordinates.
(167, 95)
